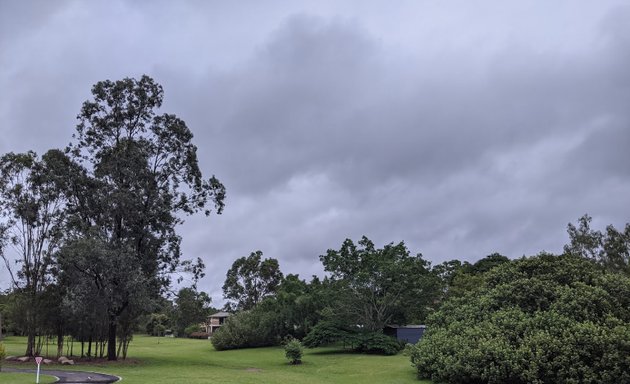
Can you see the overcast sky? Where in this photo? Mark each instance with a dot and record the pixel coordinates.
(461, 127)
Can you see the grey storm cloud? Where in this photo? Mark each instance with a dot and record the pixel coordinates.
(461, 129)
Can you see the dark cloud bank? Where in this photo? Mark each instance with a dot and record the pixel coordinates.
(327, 122)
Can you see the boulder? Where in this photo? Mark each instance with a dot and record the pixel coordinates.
(62, 358)
(11, 358)
(67, 362)
(23, 359)
(47, 361)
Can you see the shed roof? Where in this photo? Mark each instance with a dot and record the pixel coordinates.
(395, 326)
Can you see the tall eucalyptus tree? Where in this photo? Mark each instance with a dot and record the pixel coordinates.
(32, 213)
(140, 176)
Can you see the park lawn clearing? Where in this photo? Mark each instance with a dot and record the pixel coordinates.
(170, 360)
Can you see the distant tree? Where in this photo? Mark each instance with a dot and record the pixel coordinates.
(298, 305)
(611, 249)
(157, 324)
(584, 241)
(379, 286)
(447, 271)
(250, 280)
(31, 217)
(191, 308)
(459, 278)
(138, 173)
(489, 262)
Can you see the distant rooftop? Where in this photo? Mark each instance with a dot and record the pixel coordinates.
(220, 314)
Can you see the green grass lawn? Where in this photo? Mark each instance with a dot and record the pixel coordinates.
(21, 378)
(167, 360)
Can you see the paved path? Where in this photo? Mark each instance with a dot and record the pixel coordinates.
(76, 377)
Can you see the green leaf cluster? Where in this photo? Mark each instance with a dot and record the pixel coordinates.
(293, 351)
(379, 286)
(250, 280)
(247, 329)
(545, 319)
(355, 339)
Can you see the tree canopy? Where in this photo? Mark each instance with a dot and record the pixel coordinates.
(250, 280)
(378, 286)
(611, 248)
(32, 215)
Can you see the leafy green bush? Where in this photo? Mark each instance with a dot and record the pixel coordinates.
(189, 330)
(327, 332)
(324, 333)
(546, 319)
(378, 343)
(198, 335)
(293, 351)
(157, 324)
(247, 329)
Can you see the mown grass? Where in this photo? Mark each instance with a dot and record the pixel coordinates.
(167, 360)
(22, 378)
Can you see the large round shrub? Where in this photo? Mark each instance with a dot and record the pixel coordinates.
(247, 329)
(545, 319)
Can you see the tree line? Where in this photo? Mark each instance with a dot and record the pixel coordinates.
(88, 233)
(366, 288)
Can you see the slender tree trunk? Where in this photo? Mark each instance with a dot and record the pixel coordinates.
(121, 342)
(30, 331)
(59, 341)
(111, 342)
(30, 344)
(126, 348)
(89, 354)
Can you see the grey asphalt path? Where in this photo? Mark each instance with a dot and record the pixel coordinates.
(76, 377)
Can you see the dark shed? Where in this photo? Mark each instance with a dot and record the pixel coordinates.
(407, 333)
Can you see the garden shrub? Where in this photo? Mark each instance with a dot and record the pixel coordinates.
(189, 330)
(157, 324)
(378, 343)
(198, 335)
(324, 333)
(546, 319)
(293, 351)
(247, 329)
(355, 339)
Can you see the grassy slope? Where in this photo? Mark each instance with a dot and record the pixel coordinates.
(167, 360)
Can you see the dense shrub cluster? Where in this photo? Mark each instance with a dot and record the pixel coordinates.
(357, 340)
(377, 343)
(198, 335)
(188, 331)
(247, 329)
(547, 319)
